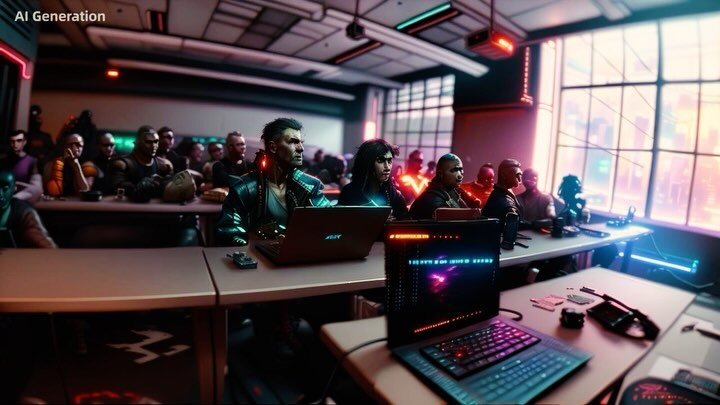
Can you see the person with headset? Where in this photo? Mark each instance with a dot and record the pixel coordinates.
(263, 200)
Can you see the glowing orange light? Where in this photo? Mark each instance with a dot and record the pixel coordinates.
(112, 73)
(17, 59)
(504, 43)
(416, 183)
(263, 163)
(409, 236)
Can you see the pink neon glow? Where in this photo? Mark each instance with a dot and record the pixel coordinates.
(17, 59)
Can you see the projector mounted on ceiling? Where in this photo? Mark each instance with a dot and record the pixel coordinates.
(489, 42)
(355, 31)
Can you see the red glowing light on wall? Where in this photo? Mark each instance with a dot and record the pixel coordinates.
(112, 73)
(17, 59)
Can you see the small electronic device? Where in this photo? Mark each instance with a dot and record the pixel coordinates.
(509, 235)
(623, 221)
(243, 261)
(572, 318)
(685, 378)
(571, 231)
(557, 227)
(610, 315)
(579, 299)
(593, 232)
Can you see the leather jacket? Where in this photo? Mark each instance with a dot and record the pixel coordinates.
(245, 208)
(436, 196)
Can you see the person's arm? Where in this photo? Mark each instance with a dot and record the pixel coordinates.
(79, 180)
(140, 192)
(317, 197)
(220, 175)
(233, 225)
(398, 205)
(32, 230)
(550, 208)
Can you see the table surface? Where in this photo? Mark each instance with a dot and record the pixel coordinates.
(98, 280)
(110, 204)
(389, 381)
(269, 282)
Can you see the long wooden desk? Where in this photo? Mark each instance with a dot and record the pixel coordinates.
(390, 382)
(104, 280)
(110, 204)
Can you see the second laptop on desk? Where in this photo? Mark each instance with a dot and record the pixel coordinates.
(442, 306)
(319, 234)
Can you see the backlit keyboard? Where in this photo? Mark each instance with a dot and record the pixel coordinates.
(479, 349)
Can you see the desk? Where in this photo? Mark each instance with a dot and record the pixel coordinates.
(104, 280)
(390, 382)
(690, 348)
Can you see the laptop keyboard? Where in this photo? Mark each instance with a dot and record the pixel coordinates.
(479, 349)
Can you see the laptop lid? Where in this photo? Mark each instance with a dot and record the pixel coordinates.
(440, 277)
(331, 233)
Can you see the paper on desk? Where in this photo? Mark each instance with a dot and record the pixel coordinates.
(665, 368)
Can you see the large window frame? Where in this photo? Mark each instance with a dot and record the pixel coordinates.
(420, 116)
(673, 188)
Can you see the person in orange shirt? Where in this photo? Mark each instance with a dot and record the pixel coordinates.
(412, 183)
(64, 175)
(483, 186)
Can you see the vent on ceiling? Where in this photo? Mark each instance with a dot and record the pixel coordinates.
(156, 21)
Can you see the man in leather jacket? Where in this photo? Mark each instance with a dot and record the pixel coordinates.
(263, 200)
(502, 200)
(444, 190)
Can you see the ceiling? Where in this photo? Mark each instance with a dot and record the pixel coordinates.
(303, 37)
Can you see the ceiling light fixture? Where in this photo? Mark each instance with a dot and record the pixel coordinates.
(422, 16)
(112, 73)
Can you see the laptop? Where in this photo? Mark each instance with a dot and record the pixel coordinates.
(318, 234)
(442, 308)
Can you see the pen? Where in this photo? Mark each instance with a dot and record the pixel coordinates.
(522, 244)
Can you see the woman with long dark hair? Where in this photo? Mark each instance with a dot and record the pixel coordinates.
(371, 183)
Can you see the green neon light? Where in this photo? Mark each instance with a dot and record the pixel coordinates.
(423, 16)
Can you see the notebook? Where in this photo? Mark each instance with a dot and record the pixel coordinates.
(442, 308)
(317, 234)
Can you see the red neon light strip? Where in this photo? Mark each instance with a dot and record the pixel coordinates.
(20, 61)
(357, 51)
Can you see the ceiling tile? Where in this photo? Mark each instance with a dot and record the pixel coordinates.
(392, 13)
(348, 6)
(236, 10)
(188, 18)
(437, 35)
(470, 24)
(322, 28)
(231, 20)
(511, 7)
(454, 28)
(306, 32)
(290, 43)
(253, 40)
(418, 62)
(224, 33)
(558, 13)
(391, 69)
(264, 29)
(329, 47)
(276, 18)
(459, 46)
(390, 52)
(364, 61)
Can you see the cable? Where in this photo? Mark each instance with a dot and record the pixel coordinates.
(688, 283)
(652, 238)
(323, 397)
(512, 311)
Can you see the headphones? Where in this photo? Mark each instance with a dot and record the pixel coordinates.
(621, 319)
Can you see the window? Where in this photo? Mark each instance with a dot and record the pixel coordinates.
(420, 116)
(639, 122)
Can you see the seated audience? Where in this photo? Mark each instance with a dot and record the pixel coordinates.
(24, 167)
(333, 174)
(371, 185)
(412, 182)
(233, 164)
(195, 156)
(19, 219)
(572, 206)
(216, 152)
(105, 154)
(39, 144)
(141, 173)
(64, 175)
(483, 185)
(502, 200)
(167, 140)
(263, 200)
(430, 171)
(536, 205)
(444, 190)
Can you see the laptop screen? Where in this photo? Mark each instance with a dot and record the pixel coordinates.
(441, 276)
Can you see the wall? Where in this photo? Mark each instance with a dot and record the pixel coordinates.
(186, 117)
(484, 136)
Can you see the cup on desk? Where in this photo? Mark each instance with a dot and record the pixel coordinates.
(120, 193)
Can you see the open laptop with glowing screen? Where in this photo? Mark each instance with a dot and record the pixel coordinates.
(442, 316)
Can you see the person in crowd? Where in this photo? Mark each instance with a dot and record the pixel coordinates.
(85, 127)
(64, 175)
(263, 200)
(334, 173)
(502, 200)
(483, 185)
(195, 156)
(430, 170)
(233, 164)
(165, 151)
(536, 204)
(39, 144)
(412, 182)
(20, 225)
(444, 190)
(216, 150)
(316, 165)
(24, 167)
(372, 185)
(572, 205)
(105, 154)
(141, 173)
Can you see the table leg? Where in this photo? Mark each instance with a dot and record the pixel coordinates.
(627, 256)
(220, 337)
(202, 329)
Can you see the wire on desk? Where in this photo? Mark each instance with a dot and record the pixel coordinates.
(512, 311)
(325, 392)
